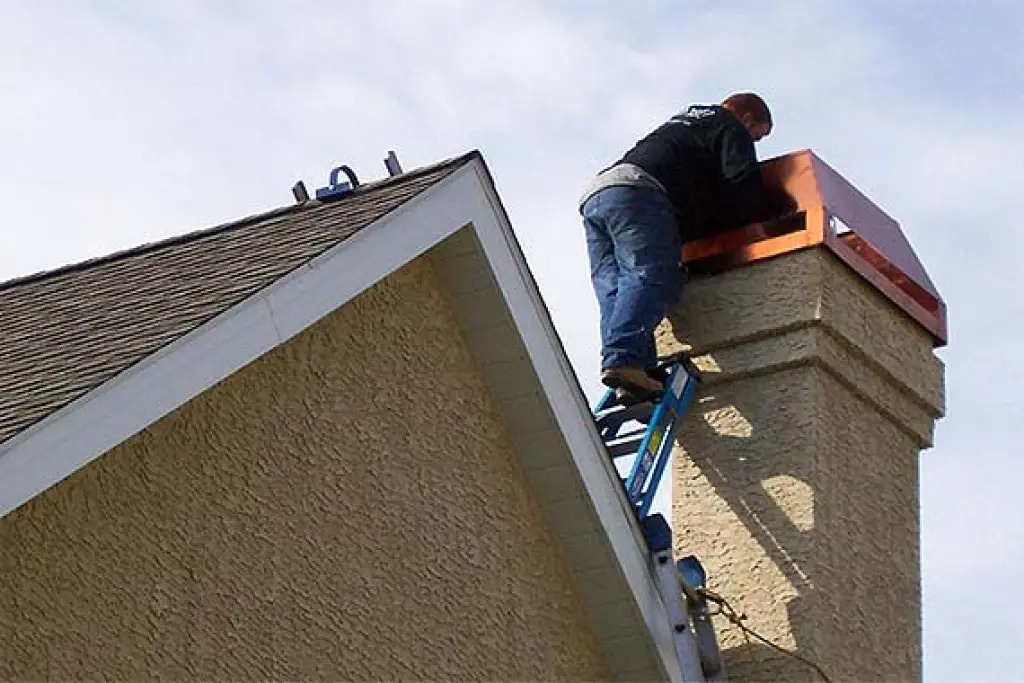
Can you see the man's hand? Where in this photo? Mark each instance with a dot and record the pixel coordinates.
(756, 232)
(776, 203)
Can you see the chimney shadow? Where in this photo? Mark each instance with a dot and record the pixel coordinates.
(726, 435)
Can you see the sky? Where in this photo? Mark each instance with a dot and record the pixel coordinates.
(126, 122)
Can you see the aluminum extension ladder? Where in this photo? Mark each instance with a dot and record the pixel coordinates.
(645, 432)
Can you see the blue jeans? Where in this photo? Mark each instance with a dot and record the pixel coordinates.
(634, 247)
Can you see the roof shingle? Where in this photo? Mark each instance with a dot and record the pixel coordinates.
(65, 332)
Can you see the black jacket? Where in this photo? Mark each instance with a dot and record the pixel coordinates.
(704, 157)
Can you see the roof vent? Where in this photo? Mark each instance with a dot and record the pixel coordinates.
(392, 164)
(335, 189)
(300, 192)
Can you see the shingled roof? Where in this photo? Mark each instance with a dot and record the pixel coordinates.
(67, 331)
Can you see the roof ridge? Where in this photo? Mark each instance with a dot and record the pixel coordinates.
(223, 227)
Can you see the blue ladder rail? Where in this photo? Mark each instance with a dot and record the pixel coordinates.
(646, 431)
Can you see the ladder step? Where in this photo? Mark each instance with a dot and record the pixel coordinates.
(612, 420)
(618, 450)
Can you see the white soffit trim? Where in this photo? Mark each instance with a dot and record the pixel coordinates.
(73, 436)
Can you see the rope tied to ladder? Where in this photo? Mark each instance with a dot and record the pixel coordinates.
(737, 618)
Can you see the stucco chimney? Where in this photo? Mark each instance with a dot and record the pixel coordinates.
(796, 475)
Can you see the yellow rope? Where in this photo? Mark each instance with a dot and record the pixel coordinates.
(734, 617)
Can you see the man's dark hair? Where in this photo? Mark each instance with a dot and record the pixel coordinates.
(748, 103)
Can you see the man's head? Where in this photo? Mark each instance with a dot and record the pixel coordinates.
(752, 112)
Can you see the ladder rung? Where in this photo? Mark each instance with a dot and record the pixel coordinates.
(611, 436)
(621, 448)
(640, 412)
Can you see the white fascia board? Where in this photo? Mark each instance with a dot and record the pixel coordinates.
(573, 415)
(73, 436)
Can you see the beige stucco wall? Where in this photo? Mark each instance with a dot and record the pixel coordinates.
(796, 481)
(347, 506)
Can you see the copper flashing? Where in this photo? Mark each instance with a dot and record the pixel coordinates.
(826, 210)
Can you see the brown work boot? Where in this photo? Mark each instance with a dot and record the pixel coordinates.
(627, 398)
(634, 381)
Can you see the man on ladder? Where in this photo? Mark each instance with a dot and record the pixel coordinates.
(695, 175)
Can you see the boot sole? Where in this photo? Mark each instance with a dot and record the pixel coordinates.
(628, 400)
(637, 393)
(616, 382)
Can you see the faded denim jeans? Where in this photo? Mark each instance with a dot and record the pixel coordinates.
(634, 247)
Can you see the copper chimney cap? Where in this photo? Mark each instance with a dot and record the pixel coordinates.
(824, 209)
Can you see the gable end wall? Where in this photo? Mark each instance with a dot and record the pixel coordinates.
(346, 506)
